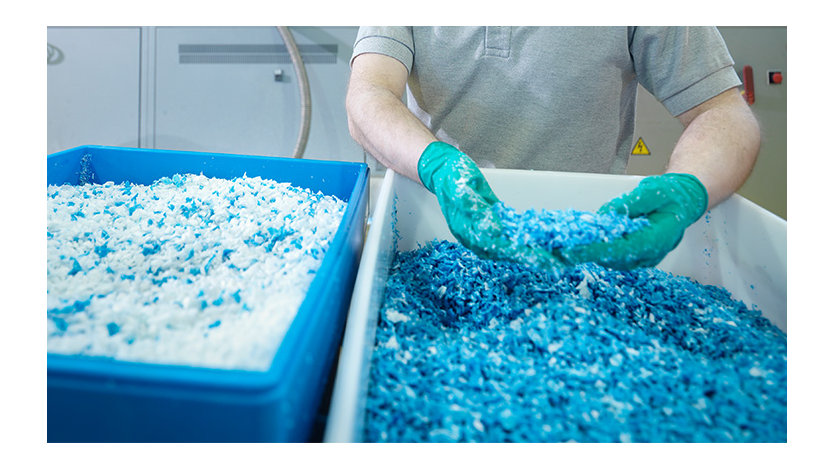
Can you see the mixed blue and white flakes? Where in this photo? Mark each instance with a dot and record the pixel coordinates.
(475, 350)
(188, 270)
(557, 229)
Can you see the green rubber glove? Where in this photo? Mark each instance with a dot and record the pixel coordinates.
(671, 202)
(466, 202)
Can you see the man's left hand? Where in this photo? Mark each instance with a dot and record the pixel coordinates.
(671, 202)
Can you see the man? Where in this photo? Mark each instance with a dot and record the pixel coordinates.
(552, 99)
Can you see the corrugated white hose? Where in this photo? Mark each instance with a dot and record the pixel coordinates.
(303, 90)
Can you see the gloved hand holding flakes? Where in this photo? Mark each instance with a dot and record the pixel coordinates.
(671, 202)
(466, 201)
(556, 230)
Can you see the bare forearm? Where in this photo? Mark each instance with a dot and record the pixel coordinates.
(380, 122)
(719, 146)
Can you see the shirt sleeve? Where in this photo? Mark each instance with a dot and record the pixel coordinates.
(682, 66)
(393, 41)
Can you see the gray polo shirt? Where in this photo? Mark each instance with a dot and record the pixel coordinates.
(549, 98)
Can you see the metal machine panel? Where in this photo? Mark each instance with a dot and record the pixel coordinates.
(234, 89)
(765, 50)
(92, 87)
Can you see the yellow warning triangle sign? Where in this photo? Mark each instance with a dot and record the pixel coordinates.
(640, 148)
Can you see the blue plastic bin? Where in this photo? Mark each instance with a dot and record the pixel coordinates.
(104, 400)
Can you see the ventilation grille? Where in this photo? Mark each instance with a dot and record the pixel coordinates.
(255, 53)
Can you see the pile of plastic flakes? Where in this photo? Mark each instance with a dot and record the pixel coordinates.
(554, 229)
(188, 270)
(475, 350)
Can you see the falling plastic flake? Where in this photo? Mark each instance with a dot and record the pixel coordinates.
(475, 350)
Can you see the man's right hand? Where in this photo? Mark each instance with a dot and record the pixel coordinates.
(466, 201)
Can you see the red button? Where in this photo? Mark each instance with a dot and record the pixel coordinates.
(776, 78)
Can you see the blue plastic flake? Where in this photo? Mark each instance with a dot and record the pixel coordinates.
(60, 323)
(112, 328)
(208, 263)
(76, 268)
(151, 247)
(133, 208)
(102, 250)
(474, 350)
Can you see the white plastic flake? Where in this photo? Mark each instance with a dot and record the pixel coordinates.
(395, 316)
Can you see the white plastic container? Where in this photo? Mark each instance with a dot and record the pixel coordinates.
(736, 245)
